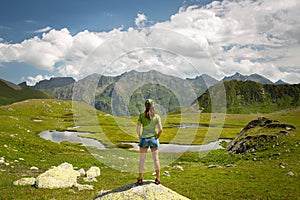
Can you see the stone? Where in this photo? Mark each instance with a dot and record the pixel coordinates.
(213, 166)
(81, 172)
(229, 165)
(80, 187)
(166, 173)
(33, 168)
(90, 179)
(178, 167)
(147, 191)
(290, 174)
(62, 176)
(93, 172)
(25, 181)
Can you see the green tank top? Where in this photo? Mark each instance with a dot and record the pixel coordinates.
(149, 126)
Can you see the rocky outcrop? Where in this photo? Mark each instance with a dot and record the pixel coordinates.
(245, 143)
(147, 191)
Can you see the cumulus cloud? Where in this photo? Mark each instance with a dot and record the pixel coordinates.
(140, 20)
(219, 39)
(33, 80)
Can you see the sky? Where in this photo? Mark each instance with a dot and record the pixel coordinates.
(185, 38)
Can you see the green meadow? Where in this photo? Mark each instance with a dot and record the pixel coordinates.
(256, 176)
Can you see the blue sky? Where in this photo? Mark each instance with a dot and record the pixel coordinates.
(40, 39)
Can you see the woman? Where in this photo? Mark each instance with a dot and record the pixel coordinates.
(149, 138)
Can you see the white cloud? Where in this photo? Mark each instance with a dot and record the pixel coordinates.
(219, 39)
(33, 80)
(68, 70)
(42, 30)
(140, 20)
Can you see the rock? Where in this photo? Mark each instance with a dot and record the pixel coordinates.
(33, 168)
(290, 174)
(90, 179)
(284, 133)
(147, 191)
(25, 181)
(229, 165)
(81, 172)
(250, 143)
(2, 161)
(80, 187)
(178, 167)
(62, 176)
(166, 173)
(93, 172)
(213, 166)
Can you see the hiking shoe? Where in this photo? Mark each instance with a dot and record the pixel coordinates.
(139, 181)
(157, 181)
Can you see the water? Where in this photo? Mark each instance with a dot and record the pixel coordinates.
(180, 148)
(68, 136)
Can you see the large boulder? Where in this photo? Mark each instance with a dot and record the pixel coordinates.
(62, 176)
(147, 191)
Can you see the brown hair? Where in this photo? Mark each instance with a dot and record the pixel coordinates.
(149, 113)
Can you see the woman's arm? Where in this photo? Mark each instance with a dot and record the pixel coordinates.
(138, 129)
(159, 130)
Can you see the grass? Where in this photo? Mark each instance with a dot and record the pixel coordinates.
(247, 179)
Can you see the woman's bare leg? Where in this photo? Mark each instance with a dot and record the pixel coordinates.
(143, 152)
(156, 162)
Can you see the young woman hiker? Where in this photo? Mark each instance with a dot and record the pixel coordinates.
(149, 138)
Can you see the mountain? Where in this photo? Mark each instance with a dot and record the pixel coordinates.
(11, 93)
(54, 83)
(253, 77)
(279, 82)
(249, 97)
(201, 83)
(123, 94)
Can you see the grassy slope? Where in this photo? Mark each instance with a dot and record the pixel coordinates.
(9, 95)
(250, 97)
(249, 179)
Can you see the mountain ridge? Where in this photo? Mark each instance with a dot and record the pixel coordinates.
(11, 93)
(249, 97)
(252, 77)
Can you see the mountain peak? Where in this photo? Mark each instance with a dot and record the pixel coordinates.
(253, 77)
(280, 82)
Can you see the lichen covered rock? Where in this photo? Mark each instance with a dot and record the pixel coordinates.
(62, 176)
(93, 172)
(146, 191)
(25, 181)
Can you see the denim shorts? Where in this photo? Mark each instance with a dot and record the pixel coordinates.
(149, 142)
